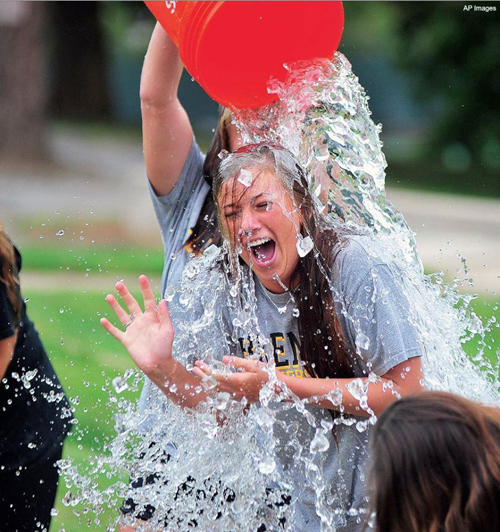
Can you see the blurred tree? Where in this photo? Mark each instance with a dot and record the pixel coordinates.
(22, 80)
(456, 55)
(79, 61)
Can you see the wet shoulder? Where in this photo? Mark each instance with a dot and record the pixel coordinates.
(355, 259)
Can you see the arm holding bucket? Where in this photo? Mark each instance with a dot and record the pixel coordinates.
(167, 132)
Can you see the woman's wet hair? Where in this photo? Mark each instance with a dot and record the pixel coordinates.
(323, 348)
(436, 466)
(206, 231)
(8, 272)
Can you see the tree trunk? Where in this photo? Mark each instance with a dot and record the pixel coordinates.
(80, 62)
(22, 81)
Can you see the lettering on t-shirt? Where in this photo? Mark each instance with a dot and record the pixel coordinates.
(286, 355)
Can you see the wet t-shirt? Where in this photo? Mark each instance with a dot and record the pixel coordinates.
(374, 315)
(34, 412)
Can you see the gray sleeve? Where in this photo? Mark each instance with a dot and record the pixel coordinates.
(178, 211)
(376, 314)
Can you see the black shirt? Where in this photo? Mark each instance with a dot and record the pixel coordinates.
(35, 414)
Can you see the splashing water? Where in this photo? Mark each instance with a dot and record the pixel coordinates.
(247, 466)
(322, 117)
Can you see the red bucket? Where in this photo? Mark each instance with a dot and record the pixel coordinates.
(232, 48)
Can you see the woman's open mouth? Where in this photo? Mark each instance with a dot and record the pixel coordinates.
(262, 251)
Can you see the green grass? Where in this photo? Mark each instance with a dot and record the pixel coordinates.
(109, 259)
(86, 359)
(487, 308)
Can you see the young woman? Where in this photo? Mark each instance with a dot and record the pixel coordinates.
(34, 412)
(436, 465)
(328, 310)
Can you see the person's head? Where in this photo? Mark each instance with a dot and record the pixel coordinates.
(436, 465)
(264, 209)
(226, 137)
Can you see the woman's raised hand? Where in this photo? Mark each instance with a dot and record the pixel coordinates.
(148, 335)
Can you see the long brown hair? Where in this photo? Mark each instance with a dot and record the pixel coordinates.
(9, 275)
(436, 465)
(323, 348)
(206, 231)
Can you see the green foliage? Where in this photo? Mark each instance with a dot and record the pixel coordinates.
(127, 27)
(449, 59)
(454, 56)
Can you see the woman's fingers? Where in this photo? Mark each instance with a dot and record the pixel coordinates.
(202, 367)
(147, 294)
(199, 373)
(112, 329)
(164, 314)
(242, 363)
(132, 305)
(123, 316)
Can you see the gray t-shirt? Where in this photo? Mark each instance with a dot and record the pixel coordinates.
(178, 212)
(374, 315)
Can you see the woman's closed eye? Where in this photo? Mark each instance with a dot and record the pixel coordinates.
(231, 214)
(264, 205)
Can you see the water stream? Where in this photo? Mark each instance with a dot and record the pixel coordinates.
(223, 475)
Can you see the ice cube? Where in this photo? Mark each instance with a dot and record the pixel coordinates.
(245, 177)
(304, 246)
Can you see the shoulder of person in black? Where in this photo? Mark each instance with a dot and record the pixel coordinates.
(34, 412)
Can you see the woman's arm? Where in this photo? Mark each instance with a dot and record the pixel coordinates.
(403, 379)
(7, 346)
(148, 338)
(166, 129)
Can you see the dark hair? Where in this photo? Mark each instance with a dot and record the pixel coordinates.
(9, 275)
(206, 231)
(323, 348)
(436, 465)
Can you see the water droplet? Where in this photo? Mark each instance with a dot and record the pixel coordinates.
(169, 293)
(319, 443)
(119, 384)
(267, 465)
(357, 388)
(222, 400)
(60, 232)
(362, 341)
